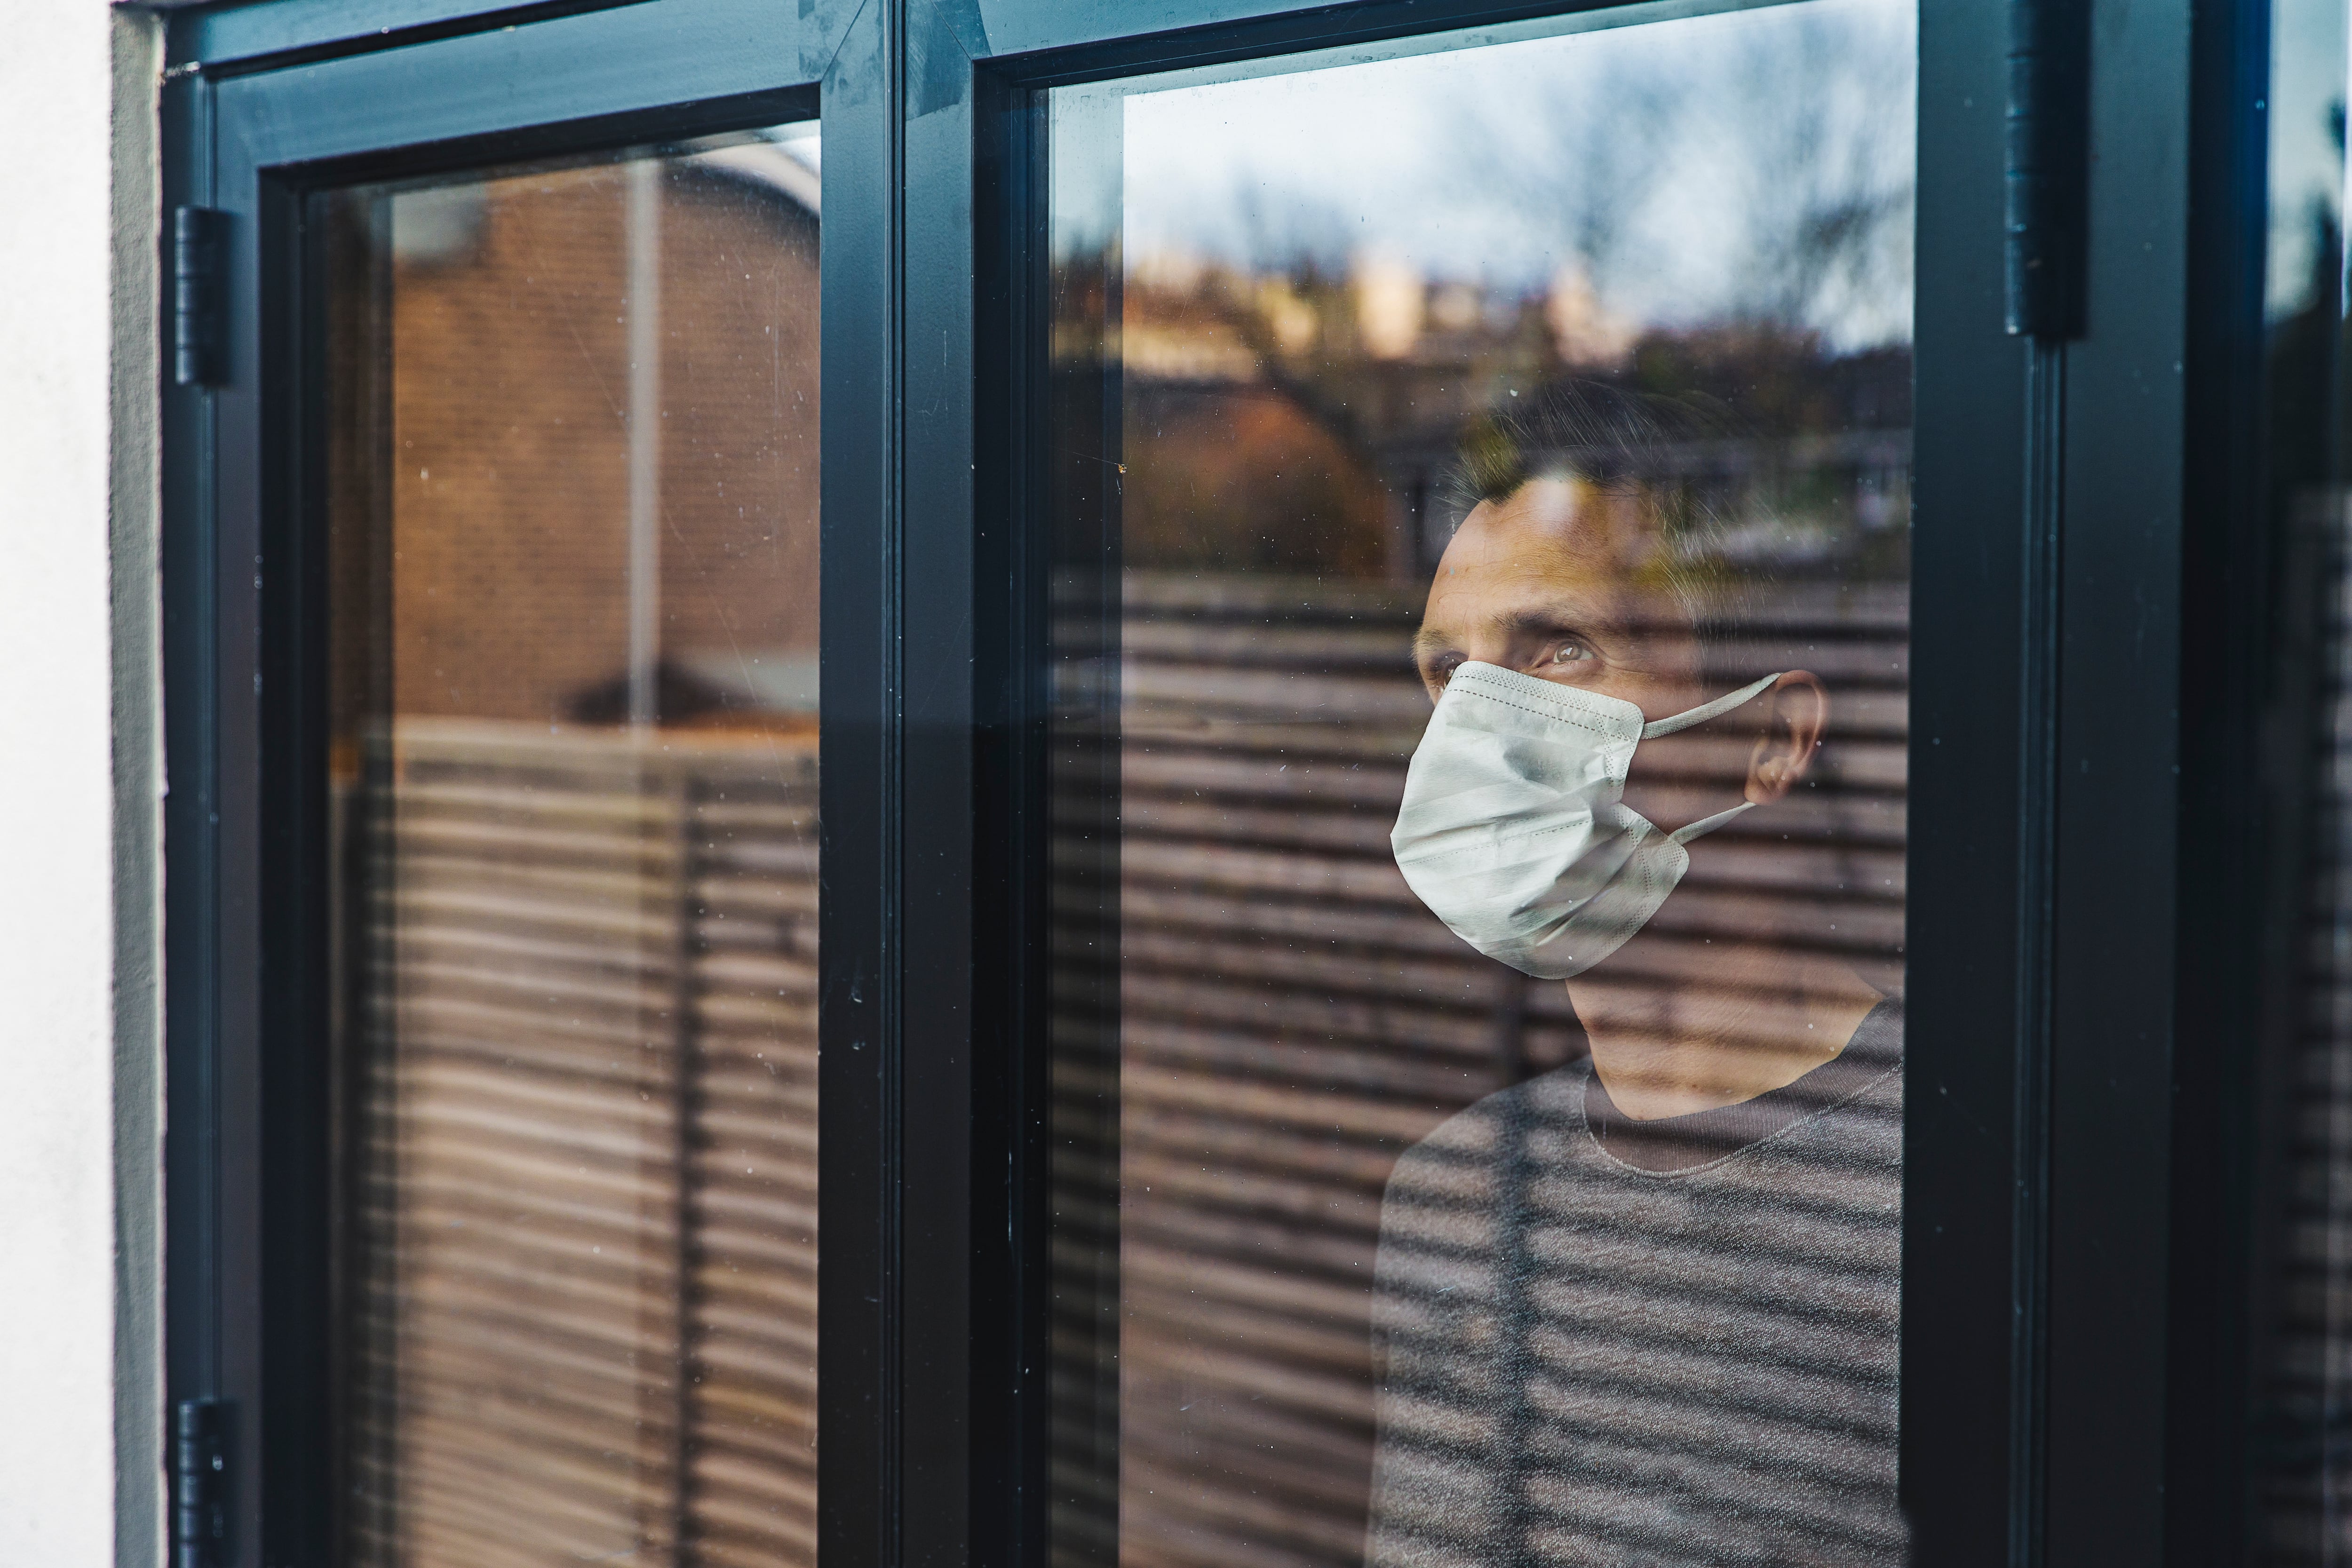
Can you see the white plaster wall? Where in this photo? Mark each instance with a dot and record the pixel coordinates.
(78, 1116)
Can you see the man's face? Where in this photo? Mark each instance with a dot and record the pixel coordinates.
(1548, 582)
(1551, 582)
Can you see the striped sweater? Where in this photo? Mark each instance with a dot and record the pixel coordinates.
(1646, 1344)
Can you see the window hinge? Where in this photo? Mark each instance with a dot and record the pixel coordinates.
(196, 295)
(2047, 174)
(199, 1480)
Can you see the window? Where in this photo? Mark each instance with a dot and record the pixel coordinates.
(1446, 815)
(497, 827)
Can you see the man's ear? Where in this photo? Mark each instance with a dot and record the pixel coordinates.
(1796, 711)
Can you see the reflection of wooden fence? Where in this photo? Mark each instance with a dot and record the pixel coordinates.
(1291, 1019)
(583, 1152)
(582, 1133)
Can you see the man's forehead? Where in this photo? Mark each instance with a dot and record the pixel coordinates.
(1547, 545)
(1558, 527)
(1560, 513)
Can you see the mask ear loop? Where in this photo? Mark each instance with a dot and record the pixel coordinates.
(1706, 710)
(1706, 824)
(1700, 715)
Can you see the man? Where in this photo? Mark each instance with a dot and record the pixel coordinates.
(1642, 1310)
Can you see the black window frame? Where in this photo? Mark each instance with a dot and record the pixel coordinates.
(248, 1249)
(2077, 1327)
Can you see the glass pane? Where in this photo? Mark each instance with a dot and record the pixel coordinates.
(1481, 505)
(573, 553)
(2302, 1285)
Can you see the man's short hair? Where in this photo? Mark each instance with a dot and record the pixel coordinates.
(1650, 449)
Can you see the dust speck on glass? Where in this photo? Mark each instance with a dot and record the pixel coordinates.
(1480, 495)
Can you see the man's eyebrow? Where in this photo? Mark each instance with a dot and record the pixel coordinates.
(1549, 620)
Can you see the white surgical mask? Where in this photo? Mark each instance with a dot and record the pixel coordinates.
(1512, 830)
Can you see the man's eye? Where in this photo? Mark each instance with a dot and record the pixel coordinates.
(1569, 653)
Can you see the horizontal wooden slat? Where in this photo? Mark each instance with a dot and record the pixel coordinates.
(582, 940)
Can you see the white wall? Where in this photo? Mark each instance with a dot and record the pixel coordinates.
(78, 775)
